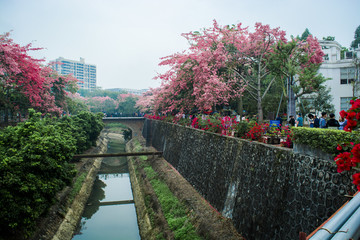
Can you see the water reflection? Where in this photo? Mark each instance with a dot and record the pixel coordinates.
(110, 221)
(96, 196)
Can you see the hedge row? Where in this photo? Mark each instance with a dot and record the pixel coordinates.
(35, 165)
(325, 139)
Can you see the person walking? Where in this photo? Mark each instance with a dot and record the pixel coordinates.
(316, 122)
(342, 123)
(299, 121)
(311, 120)
(322, 122)
(292, 121)
(332, 122)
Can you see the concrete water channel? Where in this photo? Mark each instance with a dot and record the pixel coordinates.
(110, 210)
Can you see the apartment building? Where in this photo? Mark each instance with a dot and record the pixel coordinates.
(85, 73)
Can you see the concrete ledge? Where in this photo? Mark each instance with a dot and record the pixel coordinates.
(142, 215)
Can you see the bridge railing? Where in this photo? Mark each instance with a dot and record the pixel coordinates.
(123, 118)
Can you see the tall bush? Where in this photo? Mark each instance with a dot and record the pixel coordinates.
(35, 165)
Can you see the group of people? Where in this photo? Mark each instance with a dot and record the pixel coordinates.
(322, 122)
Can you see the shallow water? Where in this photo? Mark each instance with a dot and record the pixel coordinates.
(107, 222)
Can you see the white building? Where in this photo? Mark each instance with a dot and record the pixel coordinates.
(84, 73)
(342, 74)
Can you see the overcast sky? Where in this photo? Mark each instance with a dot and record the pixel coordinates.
(125, 39)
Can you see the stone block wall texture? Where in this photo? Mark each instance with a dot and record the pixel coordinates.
(269, 192)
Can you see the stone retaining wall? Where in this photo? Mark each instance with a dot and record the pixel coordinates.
(269, 192)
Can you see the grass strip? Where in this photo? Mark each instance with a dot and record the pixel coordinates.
(174, 211)
(77, 186)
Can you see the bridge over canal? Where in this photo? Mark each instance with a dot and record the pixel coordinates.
(134, 123)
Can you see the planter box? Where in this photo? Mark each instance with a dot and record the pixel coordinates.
(272, 140)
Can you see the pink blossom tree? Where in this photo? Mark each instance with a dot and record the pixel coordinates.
(145, 103)
(223, 61)
(199, 78)
(250, 59)
(220, 64)
(25, 83)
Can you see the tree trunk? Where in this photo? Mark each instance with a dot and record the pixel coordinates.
(240, 107)
(291, 108)
(260, 112)
(259, 105)
(6, 115)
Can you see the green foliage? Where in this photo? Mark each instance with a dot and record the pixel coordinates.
(34, 167)
(99, 93)
(127, 134)
(324, 139)
(305, 34)
(329, 38)
(174, 212)
(77, 186)
(114, 126)
(356, 42)
(89, 125)
(127, 106)
(342, 52)
(320, 101)
(242, 128)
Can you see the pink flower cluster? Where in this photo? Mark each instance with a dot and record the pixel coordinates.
(222, 125)
(155, 117)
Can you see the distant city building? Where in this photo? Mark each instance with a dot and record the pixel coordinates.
(85, 73)
(343, 73)
(128, 90)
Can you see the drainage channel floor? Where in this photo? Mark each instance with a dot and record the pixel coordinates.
(110, 211)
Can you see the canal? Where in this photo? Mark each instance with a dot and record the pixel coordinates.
(110, 210)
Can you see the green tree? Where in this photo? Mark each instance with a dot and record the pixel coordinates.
(99, 93)
(74, 106)
(356, 42)
(297, 63)
(320, 101)
(305, 35)
(127, 105)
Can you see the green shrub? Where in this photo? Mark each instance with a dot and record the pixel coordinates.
(77, 186)
(91, 124)
(35, 165)
(324, 139)
(242, 128)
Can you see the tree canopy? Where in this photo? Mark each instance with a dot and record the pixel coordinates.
(356, 42)
(225, 62)
(25, 82)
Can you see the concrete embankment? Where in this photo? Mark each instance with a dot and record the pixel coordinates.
(73, 215)
(145, 227)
